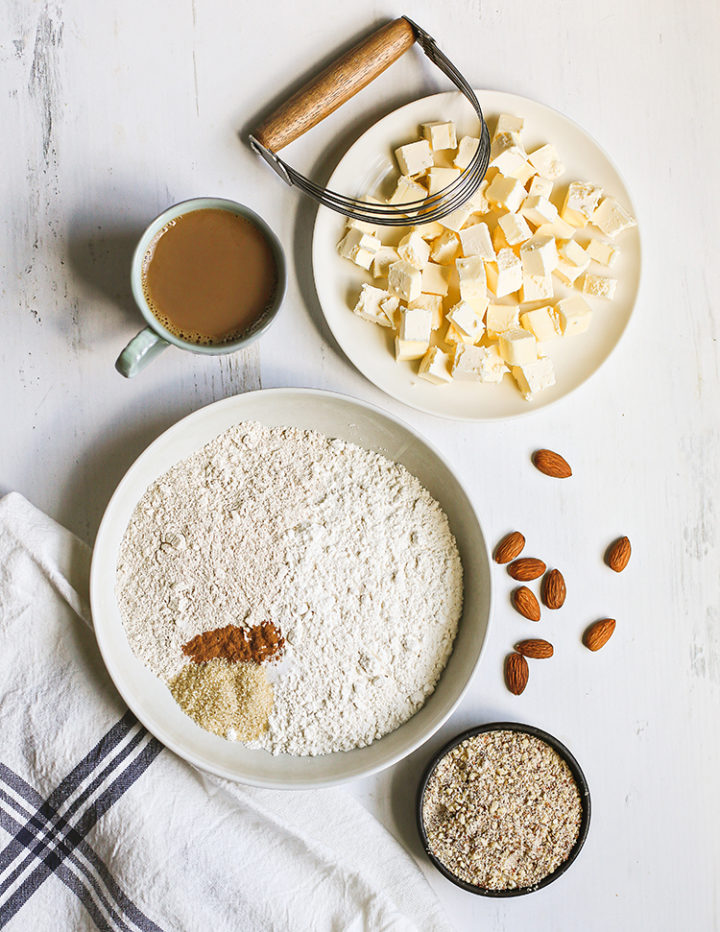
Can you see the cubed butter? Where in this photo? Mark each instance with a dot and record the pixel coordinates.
(517, 347)
(436, 366)
(440, 135)
(445, 248)
(404, 281)
(567, 272)
(476, 241)
(505, 192)
(538, 210)
(453, 336)
(477, 201)
(575, 315)
(466, 151)
(610, 218)
(468, 319)
(433, 303)
(428, 230)
(369, 307)
(507, 123)
(602, 252)
(534, 377)
(504, 276)
(436, 278)
(415, 157)
(580, 202)
(413, 249)
(543, 323)
(415, 324)
(599, 286)
(359, 247)
(478, 364)
(390, 305)
(515, 228)
(540, 187)
(471, 273)
(547, 162)
(539, 255)
(499, 318)
(536, 287)
(457, 218)
(507, 153)
(439, 178)
(382, 260)
(406, 352)
(406, 192)
(559, 228)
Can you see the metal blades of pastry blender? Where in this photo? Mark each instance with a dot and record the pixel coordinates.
(421, 211)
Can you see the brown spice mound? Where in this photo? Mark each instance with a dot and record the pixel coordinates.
(235, 644)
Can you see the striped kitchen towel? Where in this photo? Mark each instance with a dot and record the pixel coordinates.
(103, 828)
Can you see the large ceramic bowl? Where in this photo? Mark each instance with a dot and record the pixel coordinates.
(337, 416)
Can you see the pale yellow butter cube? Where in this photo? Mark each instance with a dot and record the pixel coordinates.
(534, 377)
(415, 325)
(504, 276)
(359, 247)
(575, 315)
(476, 241)
(567, 272)
(468, 320)
(559, 228)
(471, 273)
(599, 286)
(505, 192)
(580, 202)
(466, 151)
(543, 323)
(515, 228)
(536, 288)
(404, 281)
(389, 306)
(439, 178)
(538, 210)
(428, 230)
(414, 158)
(517, 347)
(436, 366)
(507, 123)
(406, 191)
(539, 255)
(540, 187)
(406, 352)
(434, 304)
(440, 135)
(499, 318)
(457, 218)
(610, 218)
(603, 253)
(413, 249)
(547, 162)
(455, 336)
(382, 260)
(445, 248)
(507, 153)
(436, 279)
(478, 364)
(369, 306)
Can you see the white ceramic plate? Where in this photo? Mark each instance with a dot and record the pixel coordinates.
(369, 347)
(337, 416)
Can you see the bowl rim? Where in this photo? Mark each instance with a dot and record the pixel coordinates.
(578, 776)
(109, 661)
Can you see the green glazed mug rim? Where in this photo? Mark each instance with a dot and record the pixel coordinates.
(178, 210)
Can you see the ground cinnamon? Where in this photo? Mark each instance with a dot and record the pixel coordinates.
(256, 644)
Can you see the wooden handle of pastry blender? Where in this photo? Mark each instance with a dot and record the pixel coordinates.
(340, 81)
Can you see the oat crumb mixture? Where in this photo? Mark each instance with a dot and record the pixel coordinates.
(502, 810)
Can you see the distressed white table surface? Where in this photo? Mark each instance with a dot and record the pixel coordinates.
(110, 112)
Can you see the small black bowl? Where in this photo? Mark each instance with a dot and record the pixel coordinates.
(576, 771)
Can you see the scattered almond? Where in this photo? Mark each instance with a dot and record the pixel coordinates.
(526, 568)
(535, 648)
(525, 602)
(552, 464)
(516, 673)
(554, 589)
(599, 633)
(618, 554)
(510, 546)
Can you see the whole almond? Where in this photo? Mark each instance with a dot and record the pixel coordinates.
(535, 648)
(516, 673)
(599, 633)
(510, 546)
(526, 568)
(552, 464)
(526, 603)
(618, 554)
(554, 589)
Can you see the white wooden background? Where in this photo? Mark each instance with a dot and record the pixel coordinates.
(112, 111)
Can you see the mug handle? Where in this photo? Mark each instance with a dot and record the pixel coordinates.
(141, 350)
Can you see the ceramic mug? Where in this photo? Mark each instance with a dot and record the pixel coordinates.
(154, 338)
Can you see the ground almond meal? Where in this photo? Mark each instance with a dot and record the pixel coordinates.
(502, 810)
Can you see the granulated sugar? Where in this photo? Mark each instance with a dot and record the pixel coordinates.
(340, 548)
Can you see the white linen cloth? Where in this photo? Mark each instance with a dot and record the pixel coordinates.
(101, 827)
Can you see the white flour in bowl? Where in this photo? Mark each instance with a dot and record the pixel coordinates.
(342, 549)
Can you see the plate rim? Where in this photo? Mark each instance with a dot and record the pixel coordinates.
(97, 580)
(323, 212)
